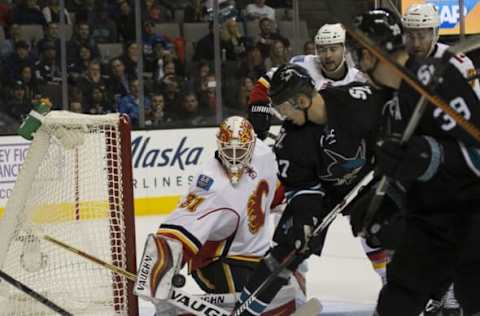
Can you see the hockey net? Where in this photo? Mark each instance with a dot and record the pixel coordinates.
(76, 186)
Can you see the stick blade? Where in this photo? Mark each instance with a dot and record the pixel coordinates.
(312, 307)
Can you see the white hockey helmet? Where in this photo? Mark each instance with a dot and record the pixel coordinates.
(421, 16)
(235, 143)
(330, 34)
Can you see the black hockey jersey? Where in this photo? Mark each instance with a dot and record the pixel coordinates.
(331, 158)
(297, 150)
(457, 181)
(347, 144)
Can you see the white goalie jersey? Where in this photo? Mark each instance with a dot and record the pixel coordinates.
(216, 219)
(312, 64)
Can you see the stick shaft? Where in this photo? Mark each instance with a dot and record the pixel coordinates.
(128, 275)
(40, 298)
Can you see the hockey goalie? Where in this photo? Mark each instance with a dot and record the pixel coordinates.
(221, 228)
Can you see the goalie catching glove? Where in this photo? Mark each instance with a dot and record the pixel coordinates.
(161, 261)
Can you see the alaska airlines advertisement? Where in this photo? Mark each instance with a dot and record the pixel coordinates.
(449, 11)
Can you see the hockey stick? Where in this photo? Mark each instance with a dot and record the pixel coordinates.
(327, 220)
(40, 298)
(382, 187)
(190, 303)
(341, 10)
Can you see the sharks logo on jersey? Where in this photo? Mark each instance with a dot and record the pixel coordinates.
(343, 170)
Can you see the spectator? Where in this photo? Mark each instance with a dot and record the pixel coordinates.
(172, 92)
(17, 105)
(125, 22)
(267, 36)
(259, 10)
(309, 48)
(207, 95)
(170, 74)
(246, 87)
(130, 58)
(104, 29)
(28, 12)
(129, 104)
(232, 41)
(156, 12)
(253, 66)
(157, 117)
(191, 114)
(81, 37)
(29, 82)
(52, 12)
(204, 50)
(97, 101)
(47, 69)
(87, 11)
(194, 12)
(150, 39)
(16, 60)
(50, 35)
(80, 67)
(278, 55)
(7, 46)
(117, 84)
(91, 78)
(76, 106)
(199, 74)
(4, 15)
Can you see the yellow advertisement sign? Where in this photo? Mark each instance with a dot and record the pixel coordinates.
(449, 12)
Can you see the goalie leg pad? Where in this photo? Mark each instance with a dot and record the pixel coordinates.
(161, 260)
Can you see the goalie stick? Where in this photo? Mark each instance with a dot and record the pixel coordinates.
(327, 220)
(40, 298)
(185, 301)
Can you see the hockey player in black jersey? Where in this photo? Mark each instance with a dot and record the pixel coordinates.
(439, 168)
(322, 150)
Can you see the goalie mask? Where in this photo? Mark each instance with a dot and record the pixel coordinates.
(235, 144)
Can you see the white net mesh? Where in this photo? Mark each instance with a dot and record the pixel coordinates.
(69, 188)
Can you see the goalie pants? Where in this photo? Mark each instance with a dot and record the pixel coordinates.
(224, 275)
(435, 250)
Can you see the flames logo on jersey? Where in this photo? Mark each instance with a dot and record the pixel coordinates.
(255, 212)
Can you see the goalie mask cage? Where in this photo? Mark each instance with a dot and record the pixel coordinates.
(75, 185)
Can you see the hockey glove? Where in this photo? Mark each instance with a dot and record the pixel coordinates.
(387, 216)
(259, 114)
(418, 159)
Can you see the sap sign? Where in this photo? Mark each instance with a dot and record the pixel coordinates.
(449, 12)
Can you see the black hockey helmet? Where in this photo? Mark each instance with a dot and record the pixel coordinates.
(288, 81)
(383, 27)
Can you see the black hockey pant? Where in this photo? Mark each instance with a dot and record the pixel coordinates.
(434, 251)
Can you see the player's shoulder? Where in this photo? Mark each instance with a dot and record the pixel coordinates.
(297, 59)
(209, 178)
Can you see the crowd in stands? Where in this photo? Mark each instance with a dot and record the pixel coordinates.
(102, 56)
